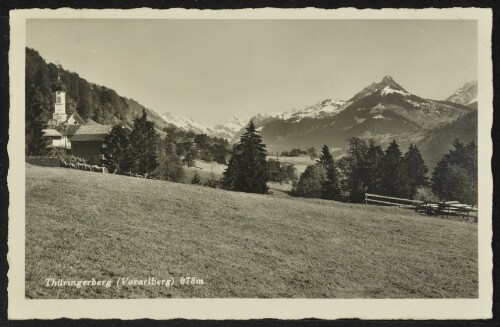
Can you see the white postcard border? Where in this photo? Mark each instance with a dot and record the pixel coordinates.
(21, 308)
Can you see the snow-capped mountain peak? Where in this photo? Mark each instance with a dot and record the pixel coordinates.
(465, 95)
(222, 130)
(386, 86)
(389, 90)
(321, 109)
(185, 124)
(229, 128)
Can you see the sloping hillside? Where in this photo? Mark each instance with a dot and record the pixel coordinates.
(83, 225)
(438, 142)
(90, 100)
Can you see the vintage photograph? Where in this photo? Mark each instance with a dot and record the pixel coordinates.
(252, 158)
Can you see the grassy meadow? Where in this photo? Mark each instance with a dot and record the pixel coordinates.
(205, 169)
(83, 225)
(300, 163)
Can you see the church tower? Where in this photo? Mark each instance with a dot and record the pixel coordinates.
(59, 115)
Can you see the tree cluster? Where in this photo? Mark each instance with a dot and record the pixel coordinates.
(321, 180)
(141, 152)
(294, 153)
(193, 146)
(367, 168)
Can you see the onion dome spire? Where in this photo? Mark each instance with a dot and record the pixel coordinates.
(58, 85)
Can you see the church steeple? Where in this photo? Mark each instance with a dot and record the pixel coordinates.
(59, 85)
(59, 115)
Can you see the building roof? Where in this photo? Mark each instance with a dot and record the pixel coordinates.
(50, 132)
(70, 129)
(90, 133)
(77, 118)
(90, 121)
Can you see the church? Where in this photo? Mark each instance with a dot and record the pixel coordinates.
(79, 137)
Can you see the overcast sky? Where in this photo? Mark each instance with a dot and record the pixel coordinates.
(211, 70)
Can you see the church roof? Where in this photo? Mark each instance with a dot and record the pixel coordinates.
(90, 133)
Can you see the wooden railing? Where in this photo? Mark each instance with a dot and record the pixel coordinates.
(443, 209)
(398, 202)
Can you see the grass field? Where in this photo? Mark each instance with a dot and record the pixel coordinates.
(300, 163)
(205, 169)
(83, 225)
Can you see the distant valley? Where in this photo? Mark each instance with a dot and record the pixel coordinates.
(384, 110)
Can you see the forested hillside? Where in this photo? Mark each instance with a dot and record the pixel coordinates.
(90, 100)
(439, 140)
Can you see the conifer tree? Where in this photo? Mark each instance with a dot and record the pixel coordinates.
(116, 150)
(196, 178)
(373, 164)
(355, 169)
(455, 175)
(394, 179)
(144, 142)
(247, 170)
(330, 186)
(416, 170)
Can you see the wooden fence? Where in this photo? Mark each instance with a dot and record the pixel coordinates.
(444, 209)
(391, 201)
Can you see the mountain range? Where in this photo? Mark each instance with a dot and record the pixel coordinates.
(382, 110)
(234, 127)
(225, 130)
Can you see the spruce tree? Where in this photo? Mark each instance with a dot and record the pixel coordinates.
(330, 186)
(416, 170)
(196, 178)
(455, 175)
(116, 150)
(144, 142)
(356, 169)
(373, 164)
(247, 169)
(394, 178)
